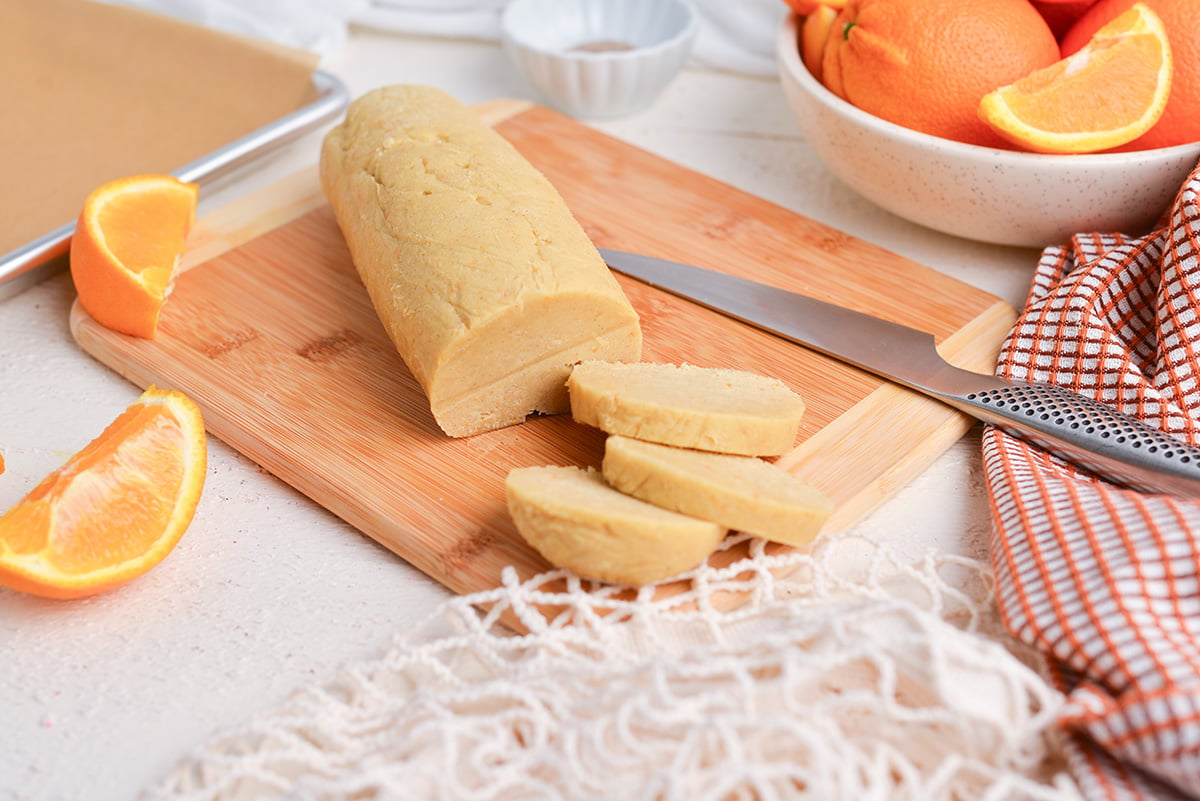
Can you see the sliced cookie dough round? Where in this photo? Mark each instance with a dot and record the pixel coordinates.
(577, 521)
(738, 492)
(707, 408)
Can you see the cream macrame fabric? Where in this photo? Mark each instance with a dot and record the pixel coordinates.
(841, 674)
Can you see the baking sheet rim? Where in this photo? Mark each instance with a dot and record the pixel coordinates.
(332, 99)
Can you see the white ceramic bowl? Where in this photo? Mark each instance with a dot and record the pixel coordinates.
(599, 58)
(991, 195)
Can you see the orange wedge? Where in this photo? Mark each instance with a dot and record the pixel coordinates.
(1109, 93)
(814, 33)
(115, 509)
(126, 245)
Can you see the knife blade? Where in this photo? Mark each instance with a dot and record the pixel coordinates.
(1085, 432)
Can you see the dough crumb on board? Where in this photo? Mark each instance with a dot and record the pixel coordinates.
(744, 493)
(485, 282)
(577, 521)
(706, 408)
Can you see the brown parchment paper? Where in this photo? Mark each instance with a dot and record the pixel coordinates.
(91, 91)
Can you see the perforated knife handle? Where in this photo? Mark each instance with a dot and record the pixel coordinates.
(1111, 444)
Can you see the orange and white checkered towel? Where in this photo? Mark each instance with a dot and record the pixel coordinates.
(1106, 581)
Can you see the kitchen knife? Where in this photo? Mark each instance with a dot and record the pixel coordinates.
(1077, 429)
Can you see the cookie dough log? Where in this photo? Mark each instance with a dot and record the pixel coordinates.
(575, 520)
(485, 282)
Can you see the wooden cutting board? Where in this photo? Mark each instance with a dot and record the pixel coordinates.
(271, 332)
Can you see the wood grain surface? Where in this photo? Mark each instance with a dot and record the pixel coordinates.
(269, 329)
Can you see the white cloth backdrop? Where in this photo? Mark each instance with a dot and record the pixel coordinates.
(735, 35)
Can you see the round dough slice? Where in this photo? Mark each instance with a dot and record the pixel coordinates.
(575, 520)
(706, 408)
(738, 492)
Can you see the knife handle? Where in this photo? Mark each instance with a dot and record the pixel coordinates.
(1090, 434)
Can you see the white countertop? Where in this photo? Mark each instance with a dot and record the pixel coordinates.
(268, 592)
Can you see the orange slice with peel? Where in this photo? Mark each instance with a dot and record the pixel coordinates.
(126, 246)
(1109, 93)
(115, 509)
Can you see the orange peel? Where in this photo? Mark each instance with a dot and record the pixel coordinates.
(115, 509)
(126, 247)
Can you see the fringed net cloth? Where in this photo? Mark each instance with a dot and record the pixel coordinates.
(846, 673)
(841, 673)
(1105, 581)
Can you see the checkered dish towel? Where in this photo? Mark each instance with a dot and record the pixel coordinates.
(1106, 581)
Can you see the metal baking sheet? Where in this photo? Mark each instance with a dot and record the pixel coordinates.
(25, 266)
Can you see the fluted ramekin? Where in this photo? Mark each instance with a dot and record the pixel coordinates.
(599, 58)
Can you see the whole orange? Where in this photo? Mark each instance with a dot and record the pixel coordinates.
(926, 64)
(1180, 122)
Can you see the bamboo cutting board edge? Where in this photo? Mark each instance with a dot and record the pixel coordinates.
(241, 221)
(974, 346)
(890, 409)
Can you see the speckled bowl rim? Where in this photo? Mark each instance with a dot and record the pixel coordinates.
(689, 29)
(788, 56)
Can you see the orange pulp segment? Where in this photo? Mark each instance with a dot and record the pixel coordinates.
(115, 509)
(127, 243)
(1109, 93)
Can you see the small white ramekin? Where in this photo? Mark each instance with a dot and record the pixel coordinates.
(599, 58)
